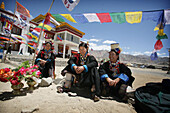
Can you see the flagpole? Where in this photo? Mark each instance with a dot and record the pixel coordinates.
(11, 31)
(40, 35)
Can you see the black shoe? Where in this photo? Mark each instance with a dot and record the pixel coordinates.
(96, 98)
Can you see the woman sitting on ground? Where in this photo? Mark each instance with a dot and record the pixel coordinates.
(46, 61)
(116, 77)
(83, 68)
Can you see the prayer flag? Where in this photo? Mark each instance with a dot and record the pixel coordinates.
(161, 37)
(80, 18)
(68, 17)
(151, 15)
(58, 17)
(70, 4)
(47, 24)
(133, 17)
(21, 9)
(46, 27)
(23, 20)
(54, 21)
(158, 45)
(167, 16)
(161, 34)
(154, 55)
(7, 28)
(161, 22)
(104, 17)
(92, 17)
(118, 17)
(59, 38)
(38, 29)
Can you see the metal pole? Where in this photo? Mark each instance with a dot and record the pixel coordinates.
(40, 35)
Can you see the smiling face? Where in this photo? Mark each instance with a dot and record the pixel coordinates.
(113, 57)
(82, 50)
(47, 46)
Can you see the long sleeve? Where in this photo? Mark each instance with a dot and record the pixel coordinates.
(103, 77)
(72, 60)
(103, 69)
(38, 57)
(92, 62)
(125, 70)
(123, 77)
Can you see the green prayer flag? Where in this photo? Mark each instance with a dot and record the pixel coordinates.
(162, 37)
(58, 17)
(118, 17)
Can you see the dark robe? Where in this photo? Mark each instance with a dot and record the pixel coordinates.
(104, 69)
(85, 79)
(50, 64)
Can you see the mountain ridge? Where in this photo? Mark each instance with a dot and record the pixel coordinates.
(127, 58)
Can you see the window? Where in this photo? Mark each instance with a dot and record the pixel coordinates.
(72, 38)
(16, 30)
(61, 35)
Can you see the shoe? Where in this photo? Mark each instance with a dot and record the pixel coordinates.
(96, 98)
(59, 89)
(129, 89)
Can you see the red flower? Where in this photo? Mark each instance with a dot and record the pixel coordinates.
(16, 74)
(3, 80)
(14, 80)
(7, 70)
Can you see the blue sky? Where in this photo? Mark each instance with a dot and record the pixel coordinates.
(135, 39)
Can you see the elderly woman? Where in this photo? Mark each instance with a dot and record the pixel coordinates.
(115, 76)
(46, 61)
(83, 68)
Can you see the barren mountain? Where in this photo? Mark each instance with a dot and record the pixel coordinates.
(127, 58)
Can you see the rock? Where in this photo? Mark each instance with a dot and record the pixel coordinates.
(45, 82)
(30, 110)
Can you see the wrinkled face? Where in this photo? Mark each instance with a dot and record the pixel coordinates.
(113, 57)
(47, 46)
(82, 50)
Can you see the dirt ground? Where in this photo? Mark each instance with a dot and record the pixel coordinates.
(47, 100)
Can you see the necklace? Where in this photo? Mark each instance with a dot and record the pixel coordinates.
(114, 67)
(83, 59)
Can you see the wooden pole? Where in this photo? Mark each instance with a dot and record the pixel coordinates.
(169, 62)
(11, 32)
(40, 36)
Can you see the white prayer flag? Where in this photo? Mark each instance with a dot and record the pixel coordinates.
(91, 17)
(167, 16)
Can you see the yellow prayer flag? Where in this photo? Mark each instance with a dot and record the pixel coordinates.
(161, 32)
(133, 17)
(68, 17)
(47, 27)
(156, 28)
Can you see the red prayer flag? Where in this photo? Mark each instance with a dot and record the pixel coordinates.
(38, 29)
(28, 36)
(21, 9)
(47, 19)
(104, 17)
(59, 38)
(158, 45)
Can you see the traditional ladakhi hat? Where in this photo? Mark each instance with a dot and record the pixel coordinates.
(115, 47)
